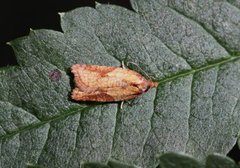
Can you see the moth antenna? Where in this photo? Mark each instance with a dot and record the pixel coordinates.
(140, 69)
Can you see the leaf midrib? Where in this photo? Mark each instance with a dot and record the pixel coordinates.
(201, 68)
(65, 114)
(76, 110)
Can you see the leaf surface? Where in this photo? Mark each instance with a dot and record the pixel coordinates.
(191, 49)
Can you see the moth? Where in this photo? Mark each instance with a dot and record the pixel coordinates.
(107, 83)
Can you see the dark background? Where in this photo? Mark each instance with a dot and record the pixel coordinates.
(17, 17)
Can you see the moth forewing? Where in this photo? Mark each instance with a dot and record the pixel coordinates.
(107, 83)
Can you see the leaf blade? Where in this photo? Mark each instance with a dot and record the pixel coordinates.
(197, 75)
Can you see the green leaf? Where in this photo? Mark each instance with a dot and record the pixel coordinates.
(218, 161)
(175, 160)
(110, 164)
(171, 160)
(191, 48)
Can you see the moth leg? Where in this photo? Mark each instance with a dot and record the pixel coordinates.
(131, 103)
(121, 105)
(123, 65)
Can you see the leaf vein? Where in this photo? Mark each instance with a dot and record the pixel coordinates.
(151, 118)
(114, 131)
(75, 141)
(189, 114)
(201, 68)
(208, 31)
(65, 114)
(44, 143)
(229, 2)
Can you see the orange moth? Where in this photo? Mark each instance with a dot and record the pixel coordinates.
(107, 83)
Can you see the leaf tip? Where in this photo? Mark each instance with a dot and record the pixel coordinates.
(61, 14)
(31, 30)
(97, 4)
(9, 43)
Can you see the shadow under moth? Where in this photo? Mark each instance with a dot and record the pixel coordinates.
(107, 83)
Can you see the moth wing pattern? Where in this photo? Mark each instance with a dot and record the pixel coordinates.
(109, 95)
(106, 83)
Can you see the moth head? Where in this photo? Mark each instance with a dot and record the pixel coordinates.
(146, 85)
